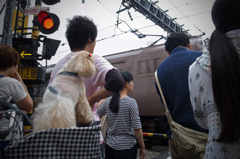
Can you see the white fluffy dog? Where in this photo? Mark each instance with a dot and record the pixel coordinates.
(64, 103)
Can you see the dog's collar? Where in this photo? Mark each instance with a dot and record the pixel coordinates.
(69, 73)
(51, 89)
(54, 91)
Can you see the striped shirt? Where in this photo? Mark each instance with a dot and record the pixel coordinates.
(120, 134)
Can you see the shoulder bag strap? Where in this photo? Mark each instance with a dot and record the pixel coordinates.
(169, 118)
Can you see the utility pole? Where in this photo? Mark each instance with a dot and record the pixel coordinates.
(7, 32)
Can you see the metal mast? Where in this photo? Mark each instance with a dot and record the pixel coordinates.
(7, 31)
(155, 14)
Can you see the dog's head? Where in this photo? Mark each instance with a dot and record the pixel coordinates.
(81, 63)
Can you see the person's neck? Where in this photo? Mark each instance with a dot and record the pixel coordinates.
(123, 93)
(78, 50)
(4, 73)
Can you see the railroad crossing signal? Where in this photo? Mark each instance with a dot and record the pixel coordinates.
(29, 70)
(25, 54)
(50, 47)
(27, 48)
(50, 2)
(48, 23)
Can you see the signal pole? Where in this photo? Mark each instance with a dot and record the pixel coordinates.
(7, 32)
(35, 32)
(35, 35)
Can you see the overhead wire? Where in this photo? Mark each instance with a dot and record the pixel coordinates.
(2, 8)
(187, 4)
(141, 16)
(116, 25)
(186, 17)
(125, 21)
(127, 32)
(135, 31)
(192, 15)
(118, 19)
(177, 7)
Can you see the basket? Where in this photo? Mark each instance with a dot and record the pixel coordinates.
(80, 142)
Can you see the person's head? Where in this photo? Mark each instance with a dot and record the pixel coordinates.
(127, 88)
(81, 31)
(176, 40)
(225, 67)
(128, 78)
(225, 15)
(9, 57)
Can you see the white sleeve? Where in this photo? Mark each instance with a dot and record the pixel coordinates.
(17, 90)
(196, 95)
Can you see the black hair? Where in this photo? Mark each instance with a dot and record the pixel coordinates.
(79, 30)
(225, 15)
(127, 76)
(175, 40)
(114, 103)
(225, 65)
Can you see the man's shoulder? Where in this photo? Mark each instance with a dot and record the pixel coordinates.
(102, 63)
(182, 54)
(99, 58)
(185, 54)
(195, 52)
(63, 60)
(185, 50)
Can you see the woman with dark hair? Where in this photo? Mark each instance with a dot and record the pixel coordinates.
(124, 125)
(214, 83)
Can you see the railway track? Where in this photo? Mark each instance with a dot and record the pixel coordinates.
(156, 146)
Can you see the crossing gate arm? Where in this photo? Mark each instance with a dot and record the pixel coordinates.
(154, 135)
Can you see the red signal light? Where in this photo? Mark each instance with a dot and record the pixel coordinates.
(48, 22)
(42, 15)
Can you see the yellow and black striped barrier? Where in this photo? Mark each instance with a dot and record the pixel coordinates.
(27, 129)
(154, 135)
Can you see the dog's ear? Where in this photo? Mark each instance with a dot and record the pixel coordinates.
(84, 64)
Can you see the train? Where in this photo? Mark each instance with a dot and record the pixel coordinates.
(142, 63)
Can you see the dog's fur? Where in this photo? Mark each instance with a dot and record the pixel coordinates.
(69, 107)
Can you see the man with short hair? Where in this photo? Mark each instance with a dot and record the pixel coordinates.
(173, 77)
(81, 34)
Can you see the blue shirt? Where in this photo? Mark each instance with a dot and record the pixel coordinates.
(173, 78)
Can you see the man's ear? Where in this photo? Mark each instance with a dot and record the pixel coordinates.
(189, 46)
(89, 40)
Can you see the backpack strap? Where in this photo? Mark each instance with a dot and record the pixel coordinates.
(169, 117)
